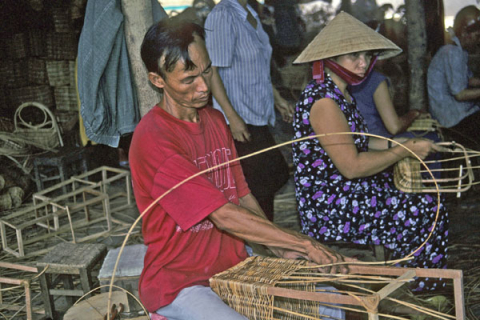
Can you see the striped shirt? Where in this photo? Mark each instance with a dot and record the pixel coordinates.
(242, 55)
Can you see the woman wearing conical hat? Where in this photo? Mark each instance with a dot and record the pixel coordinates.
(343, 190)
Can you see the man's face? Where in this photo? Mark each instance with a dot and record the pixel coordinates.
(470, 34)
(187, 89)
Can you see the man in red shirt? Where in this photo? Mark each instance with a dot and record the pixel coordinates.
(199, 227)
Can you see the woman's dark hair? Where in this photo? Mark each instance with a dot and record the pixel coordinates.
(167, 41)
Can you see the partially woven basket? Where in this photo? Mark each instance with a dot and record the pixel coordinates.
(245, 288)
(456, 173)
(424, 125)
(45, 134)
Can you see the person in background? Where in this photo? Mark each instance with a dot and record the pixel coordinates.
(342, 188)
(198, 229)
(376, 106)
(453, 90)
(242, 89)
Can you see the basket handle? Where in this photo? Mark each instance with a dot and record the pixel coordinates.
(48, 119)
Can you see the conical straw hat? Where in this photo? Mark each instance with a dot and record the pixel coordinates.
(345, 34)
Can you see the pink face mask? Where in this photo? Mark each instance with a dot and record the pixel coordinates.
(348, 76)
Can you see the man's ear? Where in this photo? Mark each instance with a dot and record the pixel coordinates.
(156, 80)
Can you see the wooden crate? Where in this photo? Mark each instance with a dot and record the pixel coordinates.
(60, 216)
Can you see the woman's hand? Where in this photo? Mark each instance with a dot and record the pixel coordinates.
(286, 110)
(423, 147)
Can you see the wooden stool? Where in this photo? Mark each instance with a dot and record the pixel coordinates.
(58, 167)
(66, 260)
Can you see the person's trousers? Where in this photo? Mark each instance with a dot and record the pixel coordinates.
(266, 172)
(201, 303)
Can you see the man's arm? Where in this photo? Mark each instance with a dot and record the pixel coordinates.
(237, 125)
(468, 94)
(249, 223)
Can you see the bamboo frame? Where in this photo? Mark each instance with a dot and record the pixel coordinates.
(50, 215)
(108, 176)
(25, 283)
(408, 178)
(265, 288)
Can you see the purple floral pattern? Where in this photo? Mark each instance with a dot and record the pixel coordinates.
(364, 210)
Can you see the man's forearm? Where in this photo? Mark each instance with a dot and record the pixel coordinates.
(253, 227)
(468, 94)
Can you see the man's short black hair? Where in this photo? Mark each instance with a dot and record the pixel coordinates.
(167, 42)
(467, 19)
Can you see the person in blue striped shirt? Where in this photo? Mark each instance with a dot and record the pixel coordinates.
(242, 89)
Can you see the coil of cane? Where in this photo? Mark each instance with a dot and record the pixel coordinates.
(407, 173)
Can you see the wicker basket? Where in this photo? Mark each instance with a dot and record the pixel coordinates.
(66, 119)
(14, 73)
(45, 135)
(6, 125)
(265, 288)
(37, 71)
(62, 46)
(457, 173)
(424, 125)
(61, 19)
(17, 46)
(36, 42)
(41, 93)
(59, 73)
(66, 98)
(245, 288)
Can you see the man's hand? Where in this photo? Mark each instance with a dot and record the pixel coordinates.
(320, 255)
(239, 129)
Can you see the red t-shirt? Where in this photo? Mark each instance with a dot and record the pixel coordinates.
(184, 246)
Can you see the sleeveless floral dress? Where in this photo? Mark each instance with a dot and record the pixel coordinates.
(365, 210)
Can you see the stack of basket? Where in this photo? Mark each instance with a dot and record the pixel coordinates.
(38, 65)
